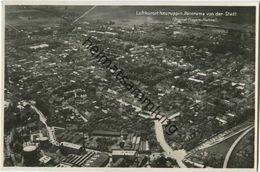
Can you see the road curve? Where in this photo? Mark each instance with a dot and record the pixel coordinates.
(178, 154)
(234, 145)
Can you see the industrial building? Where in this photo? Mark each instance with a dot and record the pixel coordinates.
(129, 155)
(70, 148)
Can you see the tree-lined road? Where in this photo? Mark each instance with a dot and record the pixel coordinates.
(234, 145)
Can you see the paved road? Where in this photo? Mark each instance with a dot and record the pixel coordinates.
(177, 154)
(234, 145)
(50, 130)
(77, 112)
(221, 137)
(43, 119)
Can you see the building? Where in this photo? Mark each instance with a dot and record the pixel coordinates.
(45, 160)
(36, 137)
(30, 154)
(194, 163)
(69, 136)
(119, 163)
(100, 161)
(144, 148)
(221, 121)
(74, 160)
(44, 142)
(128, 155)
(63, 165)
(107, 133)
(39, 46)
(70, 148)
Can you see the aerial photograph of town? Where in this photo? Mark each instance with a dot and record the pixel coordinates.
(129, 86)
